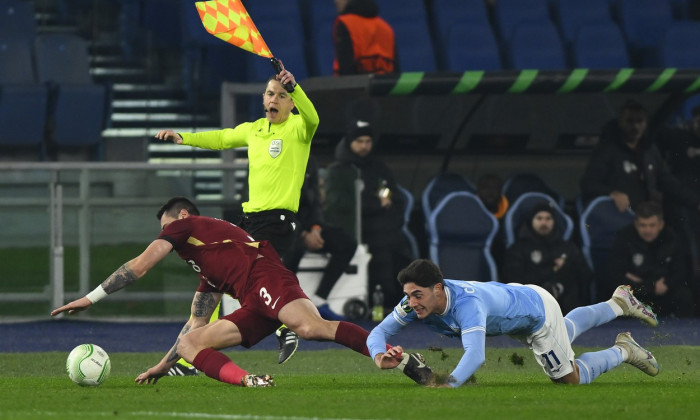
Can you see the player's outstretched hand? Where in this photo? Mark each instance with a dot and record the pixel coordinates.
(76, 306)
(151, 376)
(390, 359)
(169, 135)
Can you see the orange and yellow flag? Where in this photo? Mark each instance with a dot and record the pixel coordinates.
(228, 20)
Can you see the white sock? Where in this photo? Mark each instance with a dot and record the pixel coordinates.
(615, 307)
(623, 352)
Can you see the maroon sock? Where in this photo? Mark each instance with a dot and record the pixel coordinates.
(217, 365)
(352, 336)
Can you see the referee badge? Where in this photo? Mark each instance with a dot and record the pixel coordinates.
(275, 148)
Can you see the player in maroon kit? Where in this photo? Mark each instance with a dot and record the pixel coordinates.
(227, 261)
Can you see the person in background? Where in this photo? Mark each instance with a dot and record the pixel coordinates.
(382, 211)
(648, 256)
(628, 166)
(317, 236)
(364, 42)
(541, 256)
(489, 189)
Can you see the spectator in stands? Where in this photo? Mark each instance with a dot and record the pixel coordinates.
(489, 189)
(541, 256)
(382, 214)
(628, 167)
(364, 42)
(278, 150)
(317, 236)
(647, 256)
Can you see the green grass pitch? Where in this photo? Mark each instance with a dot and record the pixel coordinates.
(339, 384)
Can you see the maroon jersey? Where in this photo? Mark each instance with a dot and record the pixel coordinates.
(222, 253)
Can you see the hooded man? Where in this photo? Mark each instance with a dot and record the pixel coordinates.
(382, 210)
(541, 256)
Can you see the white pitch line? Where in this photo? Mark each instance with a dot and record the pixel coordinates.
(185, 415)
(232, 416)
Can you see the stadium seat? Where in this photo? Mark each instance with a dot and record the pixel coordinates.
(679, 48)
(598, 224)
(537, 46)
(600, 46)
(17, 19)
(23, 101)
(510, 13)
(440, 186)
(280, 23)
(519, 184)
(574, 14)
(207, 61)
(444, 15)
(77, 106)
(520, 210)
(471, 46)
(413, 41)
(644, 23)
(413, 244)
(461, 231)
(320, 17)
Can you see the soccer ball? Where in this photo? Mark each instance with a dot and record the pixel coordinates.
(88, 365)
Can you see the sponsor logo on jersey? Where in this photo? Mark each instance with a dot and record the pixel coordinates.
(403, 308)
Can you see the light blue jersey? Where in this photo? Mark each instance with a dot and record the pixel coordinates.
(474, 310)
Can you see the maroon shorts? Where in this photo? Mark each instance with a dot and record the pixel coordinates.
(271, 286)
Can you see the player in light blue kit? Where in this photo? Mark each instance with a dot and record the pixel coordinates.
(473, 310)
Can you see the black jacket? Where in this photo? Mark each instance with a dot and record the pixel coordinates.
(649, 261)
(642, 173)
(379, 225)
(530, 260)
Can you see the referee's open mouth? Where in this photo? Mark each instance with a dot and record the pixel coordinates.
(272, 111)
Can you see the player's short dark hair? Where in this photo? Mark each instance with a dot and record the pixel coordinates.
(174, 205)
(647, 209)
(422, 272)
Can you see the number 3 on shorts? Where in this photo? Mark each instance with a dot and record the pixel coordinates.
(267, 298)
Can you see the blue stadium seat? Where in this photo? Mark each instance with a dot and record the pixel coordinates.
(410, 237)
(413, 40)
(600, 46)
(471, 46)
(679, 47)
(598, 225)
(77, 106)
(17, 19)
(520, 210)
(280, 23)
(537, 46)
(574, 14)
(439, 187)
(461, 231)
(23, 101)
(644, 23)
(207, 61)
(445, 15)
(510, 13)
(519, 184)
(414, 46)
(320, 17)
